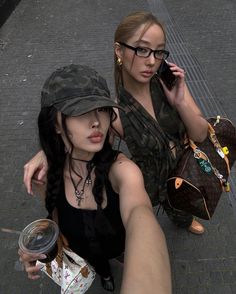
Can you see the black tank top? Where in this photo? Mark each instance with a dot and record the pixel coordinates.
(93, 234)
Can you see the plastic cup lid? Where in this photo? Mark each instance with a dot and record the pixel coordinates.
(39, 236)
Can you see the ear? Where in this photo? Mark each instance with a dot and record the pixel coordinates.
(58, 123)
(58, 131)
(58, 128)
(118, 50)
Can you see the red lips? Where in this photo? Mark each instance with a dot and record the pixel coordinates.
(147, 73)
(96, 137)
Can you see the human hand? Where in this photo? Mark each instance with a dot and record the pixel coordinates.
(29, 262)
(175, 96)
(35, 171)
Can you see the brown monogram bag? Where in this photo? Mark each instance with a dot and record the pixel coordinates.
(201, 175)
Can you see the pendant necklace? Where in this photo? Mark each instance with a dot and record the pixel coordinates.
(79, 194)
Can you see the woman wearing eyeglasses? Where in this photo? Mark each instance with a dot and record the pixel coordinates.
(156, 118)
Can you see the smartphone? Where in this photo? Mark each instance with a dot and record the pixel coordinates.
(166, 75)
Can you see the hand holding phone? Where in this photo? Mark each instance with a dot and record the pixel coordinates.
(165, 74)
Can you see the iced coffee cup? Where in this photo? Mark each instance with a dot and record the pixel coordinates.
(40, 237)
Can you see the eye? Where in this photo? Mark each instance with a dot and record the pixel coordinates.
(142, 50)
(159, 52)
(104, 109)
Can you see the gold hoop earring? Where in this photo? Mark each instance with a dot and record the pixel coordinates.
(119, 62)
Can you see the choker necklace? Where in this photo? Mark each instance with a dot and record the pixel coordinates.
(79, 194)
(82, 160)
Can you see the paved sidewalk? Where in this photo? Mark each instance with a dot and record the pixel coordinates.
(6, 8)
(42, 35)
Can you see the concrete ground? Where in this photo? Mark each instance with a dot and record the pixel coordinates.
(40, 36)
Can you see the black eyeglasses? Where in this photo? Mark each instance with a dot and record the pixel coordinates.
(146, 52)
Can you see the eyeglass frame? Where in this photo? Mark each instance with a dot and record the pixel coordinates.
(135, 49)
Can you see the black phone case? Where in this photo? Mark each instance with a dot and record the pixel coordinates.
(166, 75)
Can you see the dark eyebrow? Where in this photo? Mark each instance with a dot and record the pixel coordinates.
(146, 43)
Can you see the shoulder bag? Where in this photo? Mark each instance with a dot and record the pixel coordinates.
(201, 175)
(70, 271)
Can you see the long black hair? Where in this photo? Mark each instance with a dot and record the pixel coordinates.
(54, 149)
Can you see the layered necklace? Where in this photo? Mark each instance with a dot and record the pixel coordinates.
(80, 194)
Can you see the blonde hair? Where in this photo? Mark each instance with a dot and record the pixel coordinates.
(126, 29)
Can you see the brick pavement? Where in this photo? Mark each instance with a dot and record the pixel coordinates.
(42, 35)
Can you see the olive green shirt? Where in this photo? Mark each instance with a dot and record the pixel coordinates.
(148, 140)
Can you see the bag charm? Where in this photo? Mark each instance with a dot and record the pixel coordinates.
(225, 150)
(203, 162)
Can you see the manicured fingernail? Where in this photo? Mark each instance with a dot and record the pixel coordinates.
(42, 256)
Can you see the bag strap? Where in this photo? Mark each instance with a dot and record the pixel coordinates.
(62, 239)
(216, 143)
(199, 154)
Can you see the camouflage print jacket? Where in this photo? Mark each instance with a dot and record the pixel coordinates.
(148, 140)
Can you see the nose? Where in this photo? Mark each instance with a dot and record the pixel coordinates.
(151, 59)
(95, 120)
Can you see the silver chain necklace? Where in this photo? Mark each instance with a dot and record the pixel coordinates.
(79, 194)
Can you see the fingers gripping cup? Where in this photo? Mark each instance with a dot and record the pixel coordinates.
(40, 236)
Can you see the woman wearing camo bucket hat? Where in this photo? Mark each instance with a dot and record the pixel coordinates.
(98, 193)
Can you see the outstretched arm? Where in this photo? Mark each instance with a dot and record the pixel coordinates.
(146, 265)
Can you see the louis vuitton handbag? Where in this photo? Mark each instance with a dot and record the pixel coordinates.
(201, 175)
(70, 271)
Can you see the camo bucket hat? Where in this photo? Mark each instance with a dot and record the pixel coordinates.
(75, 90)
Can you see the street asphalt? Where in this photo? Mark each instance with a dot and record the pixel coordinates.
(40, 36)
